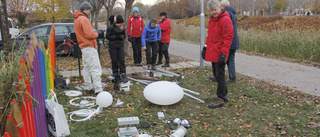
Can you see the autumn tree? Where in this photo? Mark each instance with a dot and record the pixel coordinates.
(52, 10)
(281, 5)
(20, 9)
(108, 5)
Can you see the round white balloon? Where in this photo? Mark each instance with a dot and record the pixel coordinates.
(163, 93)
(104, 99)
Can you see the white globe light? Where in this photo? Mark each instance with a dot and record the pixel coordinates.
(184, 122)
(163, 93)
(104, 99)
(177, 121)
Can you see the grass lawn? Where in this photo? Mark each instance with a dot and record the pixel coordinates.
(255, 108)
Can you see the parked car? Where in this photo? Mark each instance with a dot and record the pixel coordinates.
(42, 32)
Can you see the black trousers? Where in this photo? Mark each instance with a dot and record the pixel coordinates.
(219, 73)
(136, 48)
(163, 50)
(117, 59)
(152, 50)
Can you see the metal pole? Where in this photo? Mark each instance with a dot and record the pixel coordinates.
(201, 34)
(1, 25)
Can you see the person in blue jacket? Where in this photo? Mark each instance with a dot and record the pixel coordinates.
(151, 35)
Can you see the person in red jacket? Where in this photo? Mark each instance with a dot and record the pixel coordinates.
(165, 26)
(220, 35)
(135, 27)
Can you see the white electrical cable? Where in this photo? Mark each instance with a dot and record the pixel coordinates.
(84, 102)
(72, 93)
(87, 113)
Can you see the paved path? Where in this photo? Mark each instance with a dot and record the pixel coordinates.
(294, 76)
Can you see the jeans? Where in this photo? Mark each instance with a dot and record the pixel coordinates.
(136, 48)
(91, 67)
(163, 50)
(218, 70)
(117, 59)
(152, 50)
(231, 64)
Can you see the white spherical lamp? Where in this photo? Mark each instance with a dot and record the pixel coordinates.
(104, 99)
(163, 93)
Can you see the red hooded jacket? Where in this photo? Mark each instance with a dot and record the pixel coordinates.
(165, 30)
(135, 26)
(220, 35)
(86, 36)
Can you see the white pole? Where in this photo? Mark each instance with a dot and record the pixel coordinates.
(201, 34)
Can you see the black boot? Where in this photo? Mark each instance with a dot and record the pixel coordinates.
(123, 78)
(166, 65)
(159, 62)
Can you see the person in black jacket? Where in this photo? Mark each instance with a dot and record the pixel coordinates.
(116, 35)
(225, 4)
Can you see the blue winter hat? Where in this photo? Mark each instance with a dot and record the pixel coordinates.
(135, 9)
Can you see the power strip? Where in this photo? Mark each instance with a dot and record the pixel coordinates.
(128, 121)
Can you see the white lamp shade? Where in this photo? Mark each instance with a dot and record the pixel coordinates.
(104, 99)
(163, 93)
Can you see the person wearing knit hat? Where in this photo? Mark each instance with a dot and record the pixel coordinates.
(116, 35)
(151, 35)
(165, 26)
(135, 27)
(85, 6)
(86, 37)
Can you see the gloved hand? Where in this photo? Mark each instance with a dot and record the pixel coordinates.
(222, 59)
(100, 32)
(129, 38)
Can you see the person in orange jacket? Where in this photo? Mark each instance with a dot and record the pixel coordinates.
(86, 37)
(165, 26)
(220, 35)
(135, 27)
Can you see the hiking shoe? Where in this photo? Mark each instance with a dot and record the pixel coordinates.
(212, 78)
(89, 92)
(159, 63)
(225, 99)
(166, 65)
(231, 80)
(217, 103)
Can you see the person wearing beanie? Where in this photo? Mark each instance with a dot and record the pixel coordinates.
(151, 35)
(86, 38)
(135, 27)
(165, 26)
(116, 35)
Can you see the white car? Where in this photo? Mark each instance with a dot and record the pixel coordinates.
(13, 29)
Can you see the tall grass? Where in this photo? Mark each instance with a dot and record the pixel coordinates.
(187, 33)
(287, 43)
